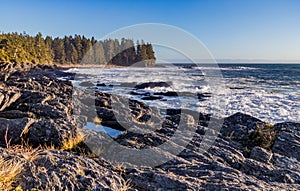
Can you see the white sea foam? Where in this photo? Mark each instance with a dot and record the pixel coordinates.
(265, 99)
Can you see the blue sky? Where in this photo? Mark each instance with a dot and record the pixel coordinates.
(231, 29)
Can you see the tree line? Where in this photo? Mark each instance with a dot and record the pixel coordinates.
(23, 48)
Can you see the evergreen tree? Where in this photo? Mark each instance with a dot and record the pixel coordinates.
(150, 53)
(88, 53)
(144, 55)
(93, 41)
(50, 52)
(109, 50)
(78, 46)
(59, 51)
(68, 49)
(99, 57)
(138, 52)
(18, 48)
(74, 55)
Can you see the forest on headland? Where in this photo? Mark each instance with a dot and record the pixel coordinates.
(23, 48)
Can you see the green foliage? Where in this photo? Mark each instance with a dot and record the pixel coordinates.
(145, 54)
(264, 136)
(22, 48)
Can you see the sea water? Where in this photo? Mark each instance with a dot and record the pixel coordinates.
(270, 92)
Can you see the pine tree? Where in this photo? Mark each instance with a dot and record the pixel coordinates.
(99, 57)
(87, 57)
(67, 49)
(74, 55)
(109, 50)
(59, 51)
(138, 52)
(50, 52)
(93, 41)
(150, 54)
(144, 55)
(78, 45)
(18, 48)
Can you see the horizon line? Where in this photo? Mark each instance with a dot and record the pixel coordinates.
(236, 61)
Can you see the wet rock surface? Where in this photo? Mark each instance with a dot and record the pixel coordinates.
(36, 107)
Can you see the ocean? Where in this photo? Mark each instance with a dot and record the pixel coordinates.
(270, 92)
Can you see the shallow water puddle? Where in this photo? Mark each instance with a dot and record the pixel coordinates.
(100, 128)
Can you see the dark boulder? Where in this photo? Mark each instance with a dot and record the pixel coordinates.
(101, 84)
(203, 95)
(168, 93)
(128, 84)
(249, 131)
(86, 84)
(36, 109)
(151, 97)
(153, 85)
(12, 130)
(140, 93)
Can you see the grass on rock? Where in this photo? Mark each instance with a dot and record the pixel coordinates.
(9, 169)
(264, 136)
(72, 142)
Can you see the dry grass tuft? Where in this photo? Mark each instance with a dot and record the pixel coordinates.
(9, 169)
(269, 125)
(120, 185)
(120, 167)
(72, 142)
(26, 151)
(48, 147)
(97, 120)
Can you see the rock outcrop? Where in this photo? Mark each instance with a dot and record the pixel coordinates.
(38, 109)
(35, 106)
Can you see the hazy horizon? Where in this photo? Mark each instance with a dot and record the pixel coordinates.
(236, 61)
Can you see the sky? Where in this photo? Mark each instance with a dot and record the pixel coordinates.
(232, 30)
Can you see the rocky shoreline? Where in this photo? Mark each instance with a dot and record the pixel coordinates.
(45, 147)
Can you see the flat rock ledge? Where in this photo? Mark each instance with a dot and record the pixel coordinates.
(42, 147)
